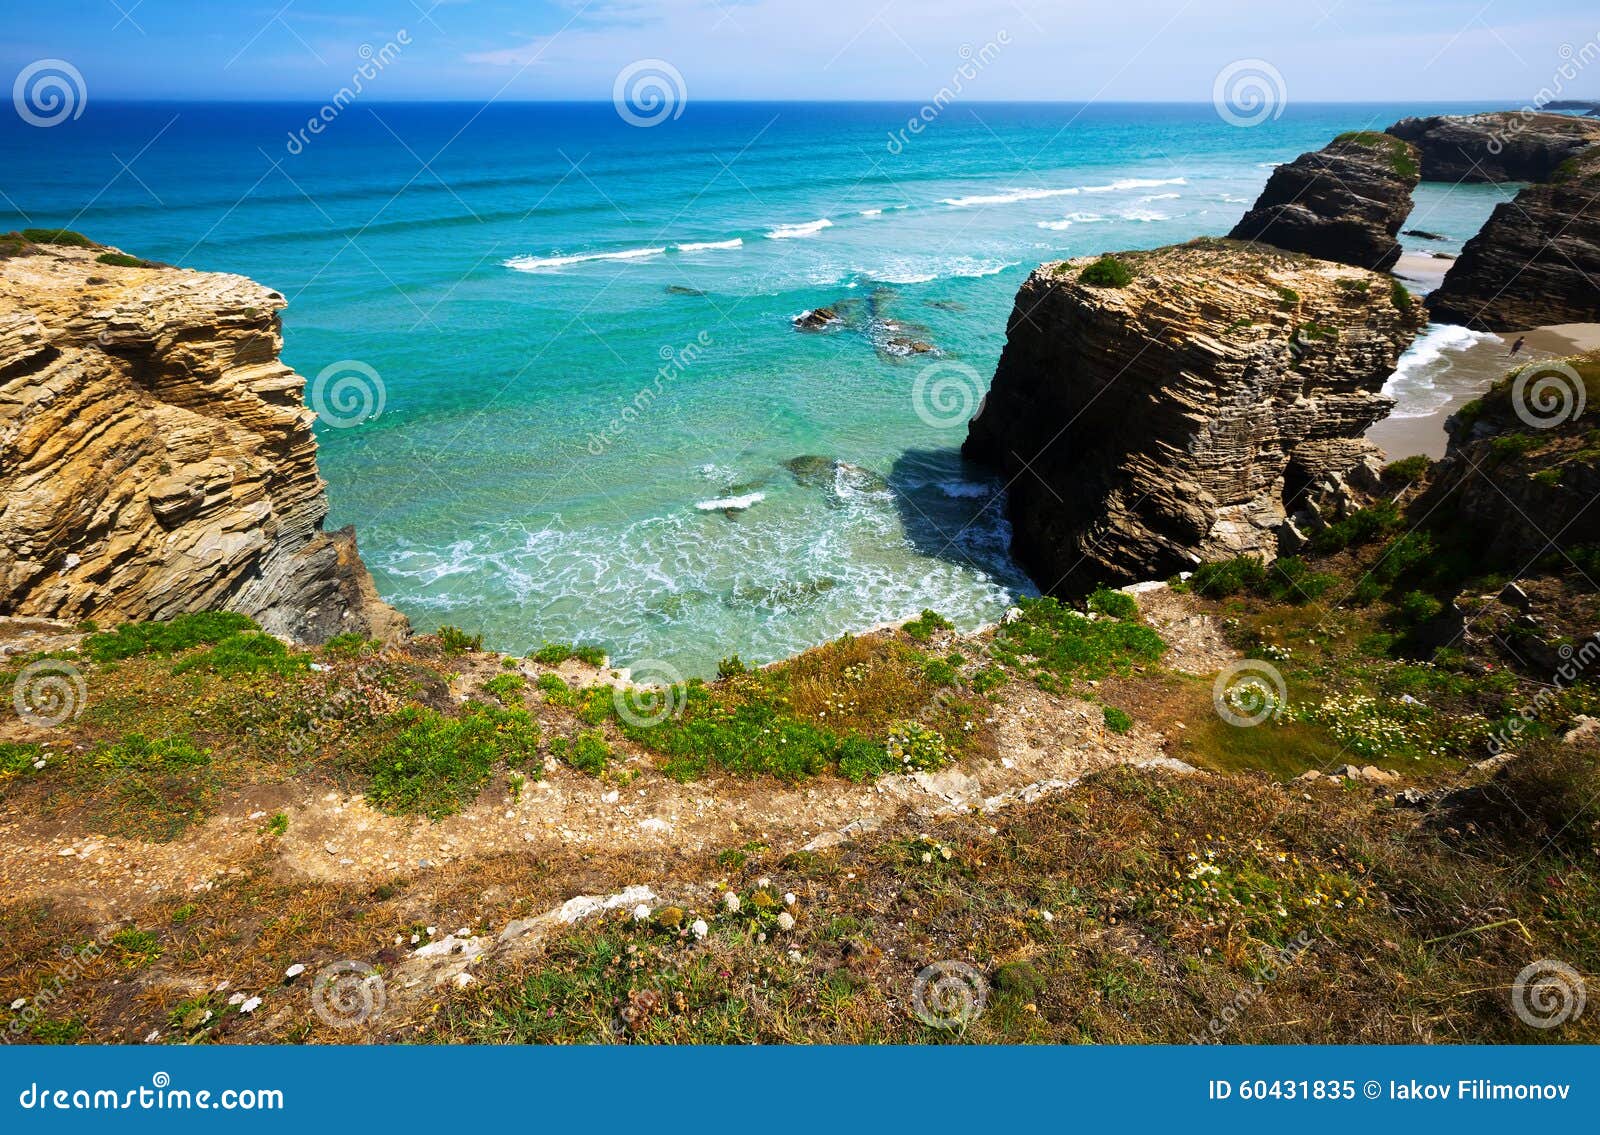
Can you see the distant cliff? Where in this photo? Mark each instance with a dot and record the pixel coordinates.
(1345, 202)
(1498, 146)
(1157, 408)
(1536, 261)
(156, 457)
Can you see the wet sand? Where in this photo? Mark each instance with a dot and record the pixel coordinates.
(1432, 390)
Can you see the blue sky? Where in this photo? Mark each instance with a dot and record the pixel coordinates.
(811, 49)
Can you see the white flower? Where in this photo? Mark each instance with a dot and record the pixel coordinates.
(700, 929)
(1047, 916)
(785, 921)
(641, 912)
(763, 882)
(731, 901)
(927, 857)
(236, 999)
(251, 1005)
(295, 970)
(788, 899)
(19, 1003)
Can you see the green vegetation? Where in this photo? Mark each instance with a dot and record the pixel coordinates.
(555, 653)
(1288, 298)
(506, 688)
(1401, 296)
(731, 667)
(248, 652)
(454, 640)
(1106, 272)
(436, 765)
(180, 633)
(1116, 604)
(1056, 645)
(1402, 158)
(555, 691)
(151, 788)
(1361, 527)
(587, 751)
(1287, 579)
(1116, 720)
(1407, 470)
(134, 948)
(123, 260)
(58, 236)
(926, 625)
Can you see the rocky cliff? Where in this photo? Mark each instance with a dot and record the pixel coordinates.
(1180, 415)
(1500, 146)
(156, 457)
(1537, 260)
(1345, 202)
(1522, 472)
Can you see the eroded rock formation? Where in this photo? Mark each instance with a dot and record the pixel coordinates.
(1537, 261)
(1178, 418)
(1345, 202)
(1499, 146)
(156, 457)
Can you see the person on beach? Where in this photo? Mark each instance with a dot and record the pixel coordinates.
(1517, 346)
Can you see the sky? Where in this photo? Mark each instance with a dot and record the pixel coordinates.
(902, 50)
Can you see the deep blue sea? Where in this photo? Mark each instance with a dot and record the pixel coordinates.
(590, 380)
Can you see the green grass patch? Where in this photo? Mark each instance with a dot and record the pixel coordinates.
(1106, 272)
(59, 236)
(436, 765)
(183, 632)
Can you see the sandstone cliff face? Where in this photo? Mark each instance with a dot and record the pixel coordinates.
(1178, 418)
(1537, 261)
(157, 458)
(1500, 146)
(1345, 202)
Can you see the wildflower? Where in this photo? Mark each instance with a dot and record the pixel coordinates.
(785, 921)
(731, 902)
(641, 913)
(788, 898)
(700, 929)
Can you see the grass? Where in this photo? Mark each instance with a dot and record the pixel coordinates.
(435, 765)
(1288, 579)
(1056, 645)
(183, 632)
(555, 653)
(926, 625)
(454, 640)
(1402, 158)
(1106, 272)
(123, 260)
(245, 653)
(58, 236)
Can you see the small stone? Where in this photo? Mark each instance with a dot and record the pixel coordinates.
(19, 1003)
(236, 999)
(250, 1005)
(641, 913)
(294, 971)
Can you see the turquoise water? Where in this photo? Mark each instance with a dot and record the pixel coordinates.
(517, 275)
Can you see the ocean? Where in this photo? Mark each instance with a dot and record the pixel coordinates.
(562, 395)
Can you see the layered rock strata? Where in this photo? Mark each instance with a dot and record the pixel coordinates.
(156, 456)
(1499, 146)
(1537, 260)
(1180, 417)
(1345, 202)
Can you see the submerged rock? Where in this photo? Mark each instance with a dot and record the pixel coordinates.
(1345, 202)
(1174, 419)
(818, 319)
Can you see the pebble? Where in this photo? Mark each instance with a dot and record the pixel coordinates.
(236, 999)
(19, 1003)
(294, 971)
(251, 1005)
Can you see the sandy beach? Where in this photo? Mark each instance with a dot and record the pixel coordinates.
(1449, 365)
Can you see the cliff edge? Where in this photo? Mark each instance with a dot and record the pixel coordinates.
(156, 457)
(1154, 409)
